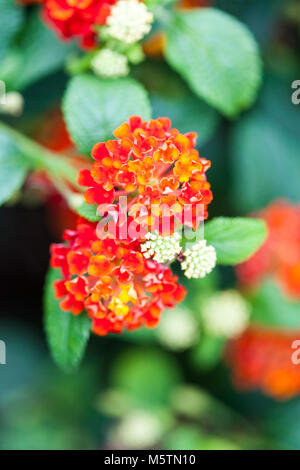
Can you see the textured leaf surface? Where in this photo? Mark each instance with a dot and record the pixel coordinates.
(235, 239)
(218, 57)
(89, 212)
(93, 108)
(67, 334)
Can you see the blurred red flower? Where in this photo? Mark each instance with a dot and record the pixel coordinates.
(280, 254)
(262, 359)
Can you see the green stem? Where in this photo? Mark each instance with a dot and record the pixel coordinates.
(74, 200)
(43, 159)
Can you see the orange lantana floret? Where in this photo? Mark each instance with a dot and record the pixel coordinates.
(111, 281)
(158, 169)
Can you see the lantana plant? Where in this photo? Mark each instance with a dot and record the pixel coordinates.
(107, 37)
(144, 207)
(143, 198)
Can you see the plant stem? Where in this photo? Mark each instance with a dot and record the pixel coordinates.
(41, 158)
(73, 199)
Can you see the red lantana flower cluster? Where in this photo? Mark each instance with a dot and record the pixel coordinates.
(77, 18)
(279, 256)
(111, 281)
(106, 274)
(262, 359)
(159, 171)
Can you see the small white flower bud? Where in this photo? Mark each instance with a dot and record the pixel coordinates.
(13, 103)
(199, 260)
(161, 249)
(108, 63)
(226, 314)
(178, 329)
(139, 429)
(129, 21)
(75, 200)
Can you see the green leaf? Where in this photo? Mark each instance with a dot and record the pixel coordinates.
(218, 57)
(235, 239)
(170, 96)
(11, 18)
(13, 168)
(271, 308)
(264, 150)
(67, 334)
(89, 212)
(41, 53)
(93, 108)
